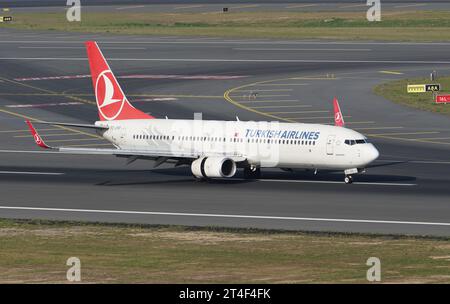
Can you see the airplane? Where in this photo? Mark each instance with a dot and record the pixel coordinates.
(215, 149)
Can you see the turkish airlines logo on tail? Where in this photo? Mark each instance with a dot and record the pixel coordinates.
(110, 99)
(37, 139)
(338, 117)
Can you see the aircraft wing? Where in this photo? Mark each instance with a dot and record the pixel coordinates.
(131, 153)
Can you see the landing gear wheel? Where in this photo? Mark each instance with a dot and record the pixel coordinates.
(252, 174)
(348, 179)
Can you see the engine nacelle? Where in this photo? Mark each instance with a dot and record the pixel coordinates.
(213, 167)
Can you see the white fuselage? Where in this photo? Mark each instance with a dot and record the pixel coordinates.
(262, 144)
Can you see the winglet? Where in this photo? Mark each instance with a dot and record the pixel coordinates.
(338, 118)
(37, 139)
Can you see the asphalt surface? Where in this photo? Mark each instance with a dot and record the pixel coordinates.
(205, 6)
(43, 76)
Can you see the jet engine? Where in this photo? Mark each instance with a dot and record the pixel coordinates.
(210, 167)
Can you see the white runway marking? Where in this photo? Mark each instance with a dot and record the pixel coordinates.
(83, 48)
(241, 42)
(239, 216)
(31, 173)
(235, 60)
(141, 76)
(43, 105)
(292, 49)
(429, 162)
(332, 182)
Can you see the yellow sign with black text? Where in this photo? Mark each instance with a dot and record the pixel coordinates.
(416, 88)
(422, 88)
(5, 19)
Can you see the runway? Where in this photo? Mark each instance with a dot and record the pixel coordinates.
(44, 76)
(215, 6)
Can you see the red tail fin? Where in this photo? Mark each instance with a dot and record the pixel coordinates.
(338, 118)
(112, 103)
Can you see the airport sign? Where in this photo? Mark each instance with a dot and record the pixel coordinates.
(416, 88)
(5, 19)
(443, 99)
(422, 88)
(432, 87)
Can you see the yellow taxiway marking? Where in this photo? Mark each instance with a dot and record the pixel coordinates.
(275, 106)
(407, 133)
(410, 5)
(284, 84)
(38, 120)
(226, 96)
(378, 128)
(265, 90)
(391, 72)
(187, 7)
(316, 78)
(259, 96)
(301, 5)
(296, 112)
(48, 91)
(319, 117)
(47, 135)
(244, 6)
(434, 138)
(259, 101)
(73, 139)
(174, 95)
(412, 139)
(26, 130)
(359, 122)
(92, 95)
(27, 85)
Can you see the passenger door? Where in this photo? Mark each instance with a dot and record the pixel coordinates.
(330, 144)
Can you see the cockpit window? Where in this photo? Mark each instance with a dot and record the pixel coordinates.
(352, 142)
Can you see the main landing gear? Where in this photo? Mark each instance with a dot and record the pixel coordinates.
(252, 172)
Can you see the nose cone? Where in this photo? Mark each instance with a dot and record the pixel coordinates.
(372, 153)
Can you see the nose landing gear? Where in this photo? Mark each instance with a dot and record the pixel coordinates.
(348, 179)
